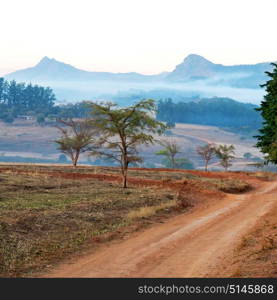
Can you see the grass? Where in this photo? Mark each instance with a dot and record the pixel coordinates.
(227, 185)
(146, 211)
(44, 219)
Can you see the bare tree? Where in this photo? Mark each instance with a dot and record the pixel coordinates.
(207, 152)
(77, 137)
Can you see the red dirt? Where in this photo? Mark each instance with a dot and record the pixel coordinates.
(189, 191)
(141, 181)
(199, 244)
(213, 174)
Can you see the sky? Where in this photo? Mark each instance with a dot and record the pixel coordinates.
(145, 36)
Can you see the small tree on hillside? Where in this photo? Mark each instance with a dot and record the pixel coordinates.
(207, 152)
(170, 150)
(77, 137)
(225, 153)
(123, 130)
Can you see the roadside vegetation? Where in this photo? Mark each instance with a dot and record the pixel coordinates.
(48, 213)
(44, 218)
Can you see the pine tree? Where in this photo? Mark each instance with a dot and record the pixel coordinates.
(267, 140)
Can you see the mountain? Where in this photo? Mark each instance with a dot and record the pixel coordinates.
(51, 70)
(193, 66)
(196, 67)
(195, 76)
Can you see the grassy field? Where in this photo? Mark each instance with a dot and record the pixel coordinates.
(50, 212)
(44, 218)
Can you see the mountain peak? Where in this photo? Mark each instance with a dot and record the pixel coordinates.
(45, 61)
(193, 66)
(45, 58)
(195, 59)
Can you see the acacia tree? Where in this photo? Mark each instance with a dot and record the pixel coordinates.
(123, 130)
(77, 137)
(207, 152)
(225, 153)
(267, 140)
(170, 150)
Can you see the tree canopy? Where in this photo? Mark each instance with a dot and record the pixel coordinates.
(20, 99)
(225, 153)
(17, 99)
(207, 153)
(223, 112)
(171, 151)
(267, 140)
(123, 130)
(77, 137)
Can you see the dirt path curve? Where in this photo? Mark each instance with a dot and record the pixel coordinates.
(189, 245)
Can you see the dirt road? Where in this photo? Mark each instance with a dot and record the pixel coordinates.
(198, 244)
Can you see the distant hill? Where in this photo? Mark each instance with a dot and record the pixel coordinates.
(49, 69)
(223, 112)
(196, 67)
(194, 76)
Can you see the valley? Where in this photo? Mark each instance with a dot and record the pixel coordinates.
(26, 139)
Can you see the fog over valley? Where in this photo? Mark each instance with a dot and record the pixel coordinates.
(194, 77)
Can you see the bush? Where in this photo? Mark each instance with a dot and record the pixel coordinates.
(232, 186)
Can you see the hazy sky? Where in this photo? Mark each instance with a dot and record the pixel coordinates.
(146, 36)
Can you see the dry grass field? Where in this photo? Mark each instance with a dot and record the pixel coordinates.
(50, 212)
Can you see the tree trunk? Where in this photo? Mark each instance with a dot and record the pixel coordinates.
(76, 159)
(173, 162)
(124, 165)
(125, 180)
(124, 175)
(206, 166)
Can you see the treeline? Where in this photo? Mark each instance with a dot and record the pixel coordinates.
(222, 112)
(17, 99)
(24, 99)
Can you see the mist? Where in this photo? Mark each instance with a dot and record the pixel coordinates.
(75, 91)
